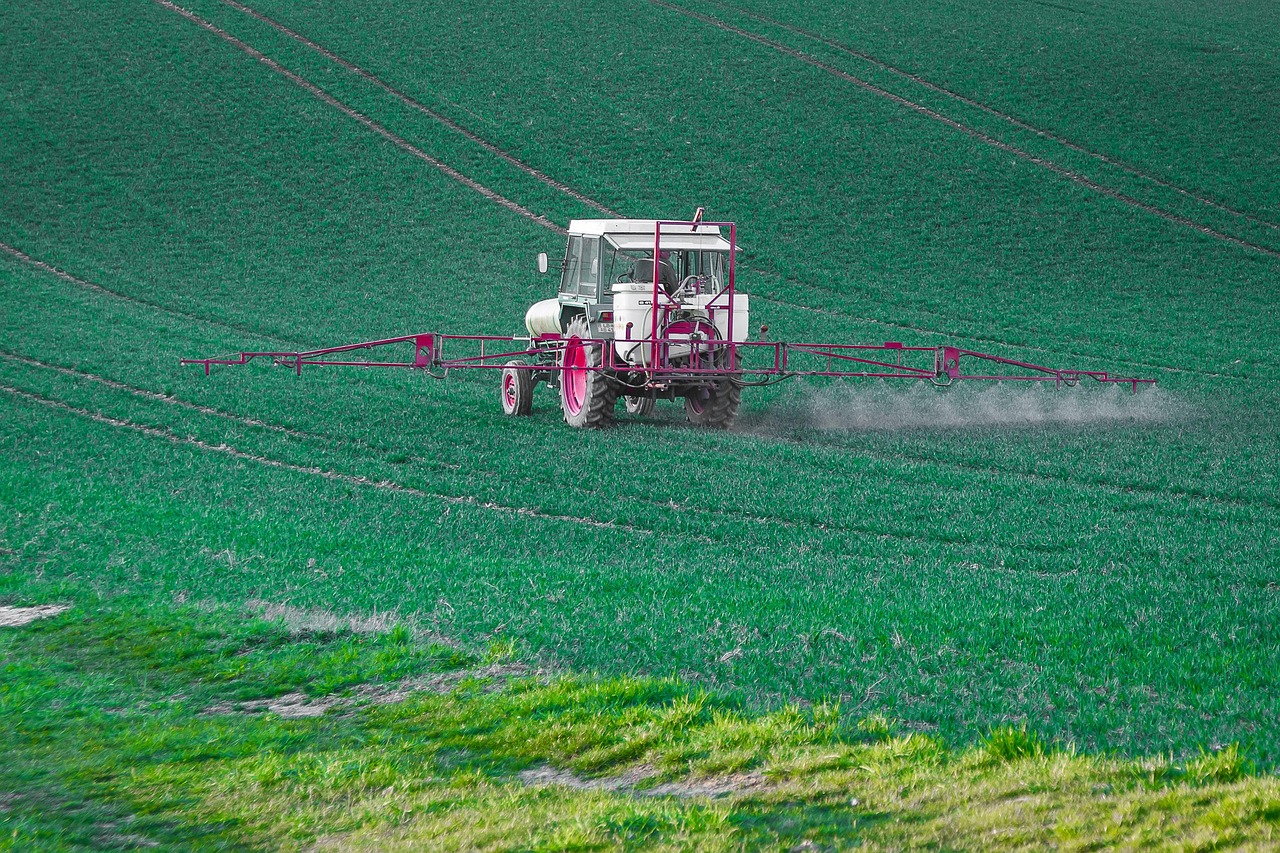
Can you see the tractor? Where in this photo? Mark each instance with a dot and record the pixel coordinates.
(643, 311)
(647, 310)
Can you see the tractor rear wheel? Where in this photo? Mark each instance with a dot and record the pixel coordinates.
(587, 395)
(639, 406)
(517, 390)
(714, 407)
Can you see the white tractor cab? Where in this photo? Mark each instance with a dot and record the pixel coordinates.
(623, 326)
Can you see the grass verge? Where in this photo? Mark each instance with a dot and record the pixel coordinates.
(126, 724)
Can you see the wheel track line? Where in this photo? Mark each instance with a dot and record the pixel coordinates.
(386, 485)
(1011, 119)
(740, 516)
(134, 300)
(489, 146)
(413, 103)
(392, 486)
(158, 397)
(399, 141)
(974, 133)
(211, 411)
(574, 194)
(1119, 489)
(312, 470)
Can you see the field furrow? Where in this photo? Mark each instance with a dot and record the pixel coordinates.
(966, 323)
(1110, 160)
(377, 128)
(986, 139)
(425, 110)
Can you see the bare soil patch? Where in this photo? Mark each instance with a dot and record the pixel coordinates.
(16, 617)
(630, 782)
(298, 705)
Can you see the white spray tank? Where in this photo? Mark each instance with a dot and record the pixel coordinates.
(633, 318)
(543, 318)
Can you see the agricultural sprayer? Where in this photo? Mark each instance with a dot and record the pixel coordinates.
(648, 310)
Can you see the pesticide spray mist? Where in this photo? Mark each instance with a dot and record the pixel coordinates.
(877, 406)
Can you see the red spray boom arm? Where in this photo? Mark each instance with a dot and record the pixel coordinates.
(764, 361)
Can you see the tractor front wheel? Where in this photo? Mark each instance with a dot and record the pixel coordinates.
(587, 395)
(517, 390)
(714, 407)
(639, 406)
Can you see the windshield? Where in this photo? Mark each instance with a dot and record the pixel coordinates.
(697, 271)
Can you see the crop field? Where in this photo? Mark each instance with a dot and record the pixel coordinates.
(1084, 184)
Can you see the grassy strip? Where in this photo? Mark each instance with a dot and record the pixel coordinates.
(104, 715)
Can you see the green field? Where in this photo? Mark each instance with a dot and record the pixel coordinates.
(1083, 184)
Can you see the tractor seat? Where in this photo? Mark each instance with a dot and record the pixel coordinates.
(642, 270)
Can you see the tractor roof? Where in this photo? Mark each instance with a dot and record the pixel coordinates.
(638, 234)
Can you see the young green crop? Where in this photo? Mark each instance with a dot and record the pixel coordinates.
(1110, 585)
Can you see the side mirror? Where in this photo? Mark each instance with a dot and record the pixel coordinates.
(543, 265)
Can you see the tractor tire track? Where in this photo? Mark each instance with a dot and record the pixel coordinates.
(576, 195)
(134, 300)
(1174, 495)
(973, 133)
(1003, 116)
(731, 515)
(156, 396)
(325, 438)
(551, 182)
(397, 140)
(312, 470)
(413, 103)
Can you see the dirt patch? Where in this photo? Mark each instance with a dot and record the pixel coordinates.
(632, 780)
(719, 786)
(490, 679)
(15, 617)
(299, 705)
(301, 620)
(291, 706)
(547, 775)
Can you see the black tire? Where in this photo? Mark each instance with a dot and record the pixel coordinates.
(516, 391)
(639, 406)
(715, 407)
(587, 396)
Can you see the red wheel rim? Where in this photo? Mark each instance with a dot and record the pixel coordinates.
(509, 392)
(573, 380)
(698, 401)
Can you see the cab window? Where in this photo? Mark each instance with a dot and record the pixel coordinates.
(589, 268)
(572, 260)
